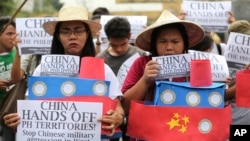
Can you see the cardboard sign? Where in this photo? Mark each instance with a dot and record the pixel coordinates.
(46, 120)
(173, 65)
(60, 65)
(237, 52)
(34, 38)
(211, 15)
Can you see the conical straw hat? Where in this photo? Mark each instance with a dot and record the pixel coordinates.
(72, 13)
(194, 31)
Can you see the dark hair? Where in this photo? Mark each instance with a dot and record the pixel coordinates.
(117, 27)
(4, 21)
(97, 16)
(155, 33)
(100, 11)
(205, 44)
(57, 48)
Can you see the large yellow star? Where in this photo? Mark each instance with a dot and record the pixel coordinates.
(173, 123)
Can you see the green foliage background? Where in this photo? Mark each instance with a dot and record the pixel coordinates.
(7, 7)
(48, 8)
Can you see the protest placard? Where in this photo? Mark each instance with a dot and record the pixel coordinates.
(237, 52)
(34, 38)
(173, 66)
(58, 121)
(211, 15)
(60, 65)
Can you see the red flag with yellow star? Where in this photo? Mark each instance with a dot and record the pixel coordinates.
(158, 123)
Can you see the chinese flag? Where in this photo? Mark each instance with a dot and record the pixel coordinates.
(92, 68)
(242, 88)
(164, 123)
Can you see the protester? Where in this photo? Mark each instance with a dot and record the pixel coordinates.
(10, 72)
(98, 12)
(96, 17)
(240, 26)
(10, 59)
(118, 31)
(72, 35)
(205, 44)
(240, 115)
(167, 36)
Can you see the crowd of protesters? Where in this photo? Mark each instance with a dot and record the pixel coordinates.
(74, 33)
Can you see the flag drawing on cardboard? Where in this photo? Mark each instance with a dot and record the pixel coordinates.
(182, 94)
(242, 88)
(42, 87)
(178, 123)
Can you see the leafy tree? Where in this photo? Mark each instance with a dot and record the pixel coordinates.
(56, 4)
(46, 7)
(7, 7)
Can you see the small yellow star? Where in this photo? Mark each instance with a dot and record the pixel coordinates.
(185, 119)
(173, 123)
(176, 115)
(183, 128)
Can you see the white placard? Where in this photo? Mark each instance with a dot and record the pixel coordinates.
(58, 120)
(173, 65)
(237, 52)
(34, 38)
(213, 16)
(60, 65)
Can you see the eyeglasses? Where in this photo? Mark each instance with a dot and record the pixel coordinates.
(77, 32)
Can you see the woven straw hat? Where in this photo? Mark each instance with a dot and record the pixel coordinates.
(241, 26)
(194, 31)
(72, 13)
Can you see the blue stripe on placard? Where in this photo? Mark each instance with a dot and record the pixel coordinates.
(42, 87)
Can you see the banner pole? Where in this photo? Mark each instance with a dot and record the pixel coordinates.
(13, 16)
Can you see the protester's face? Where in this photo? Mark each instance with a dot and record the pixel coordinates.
(73, 36)
(169, 42)
(118, 46)
(7, 37)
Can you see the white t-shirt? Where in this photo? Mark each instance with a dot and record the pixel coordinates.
(114, 90)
